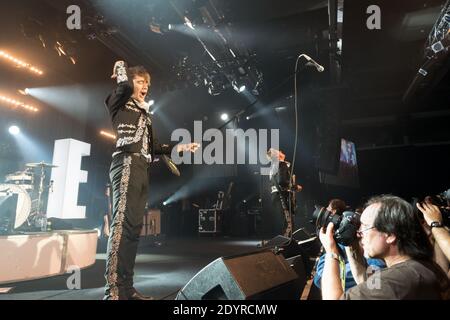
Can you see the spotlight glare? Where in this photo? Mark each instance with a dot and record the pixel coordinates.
(248, 118)
(108, 134)
(14, 130)
(224, 116)
(164, 203)
(242, 88)
(151, 102)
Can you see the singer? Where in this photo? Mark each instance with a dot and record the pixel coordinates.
(282, 189)
(136, 147)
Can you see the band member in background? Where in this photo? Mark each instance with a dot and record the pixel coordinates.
(136, 147)
(283, 189)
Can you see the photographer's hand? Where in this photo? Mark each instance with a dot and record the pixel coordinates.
(358, 264)
(331, 282)
(327, 239)
(430, 212)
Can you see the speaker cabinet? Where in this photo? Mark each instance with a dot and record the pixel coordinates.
(254, 276)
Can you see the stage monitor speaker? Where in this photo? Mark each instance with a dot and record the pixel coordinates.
(255, 276)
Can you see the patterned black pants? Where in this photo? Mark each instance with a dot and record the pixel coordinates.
(280, 203)
(129, 180)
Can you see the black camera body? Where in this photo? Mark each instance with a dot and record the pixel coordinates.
(345, 225)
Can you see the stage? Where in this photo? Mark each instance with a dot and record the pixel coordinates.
(161, 270)
(36, 255)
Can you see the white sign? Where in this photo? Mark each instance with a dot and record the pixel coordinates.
(62, 202)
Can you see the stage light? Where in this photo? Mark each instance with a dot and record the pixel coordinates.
(20, 63)
(108, 134)
(59, 48)
(17, 103)
(14, 130)
(188, 23)
(238, 87)
(164, 203)
(151, 102)
(224, 116)
(248, 118)
(152, 112)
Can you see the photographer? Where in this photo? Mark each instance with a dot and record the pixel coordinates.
(390, 230)
(433, 219)
(337, 207)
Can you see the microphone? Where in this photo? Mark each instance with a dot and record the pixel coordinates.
(314, 63)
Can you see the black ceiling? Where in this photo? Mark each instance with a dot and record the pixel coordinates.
(377, 66)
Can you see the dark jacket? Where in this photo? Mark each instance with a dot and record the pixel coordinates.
(132, 124)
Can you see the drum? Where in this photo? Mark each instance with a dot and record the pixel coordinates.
(23, 206)
(23, 179)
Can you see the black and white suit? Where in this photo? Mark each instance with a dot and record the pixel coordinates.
(136, 147)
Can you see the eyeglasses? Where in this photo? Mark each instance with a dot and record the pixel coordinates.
(360, 232)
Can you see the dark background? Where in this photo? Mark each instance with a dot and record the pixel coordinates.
(402, 148)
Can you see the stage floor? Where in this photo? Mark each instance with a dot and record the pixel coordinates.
(161, 270)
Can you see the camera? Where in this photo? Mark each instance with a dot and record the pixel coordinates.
(345, 225)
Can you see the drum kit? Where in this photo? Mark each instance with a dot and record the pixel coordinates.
(29, 186)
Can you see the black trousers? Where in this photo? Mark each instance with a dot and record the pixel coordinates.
(129, 180)
(280, 203)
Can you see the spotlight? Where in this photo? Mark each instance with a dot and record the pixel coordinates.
(164, 203)
(238, 87)
(188, 23)
(14, 130)
(248, 118)
(152, 112)
(151, 102)
(224, 116)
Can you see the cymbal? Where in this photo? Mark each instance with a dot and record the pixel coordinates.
(40, 164)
